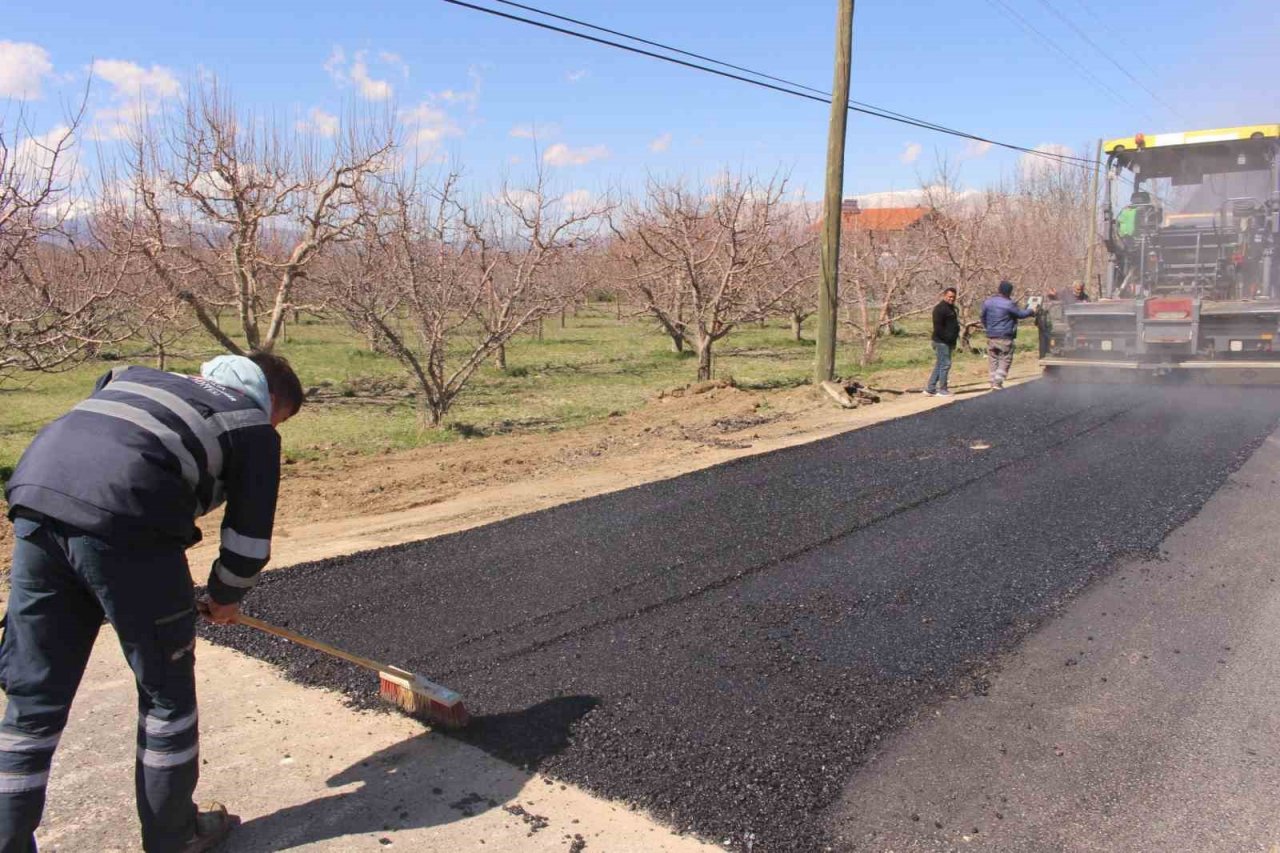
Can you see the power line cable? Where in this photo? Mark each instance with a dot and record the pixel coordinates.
(789, 88)
(1105, 25)
(1021, 20)
(658, 44)
(1107, 56)
(723, 64)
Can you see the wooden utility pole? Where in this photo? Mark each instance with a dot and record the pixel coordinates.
(829, 286)
(1091, 246)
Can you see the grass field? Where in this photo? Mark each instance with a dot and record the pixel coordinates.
(574, 375)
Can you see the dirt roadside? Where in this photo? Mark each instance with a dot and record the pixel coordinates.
(307, 773)
(345, 505)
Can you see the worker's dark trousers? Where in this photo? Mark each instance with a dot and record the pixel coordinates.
(62, 584)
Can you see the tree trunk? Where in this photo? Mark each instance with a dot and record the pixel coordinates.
(210, 324)
(704, 360)
(677, 343)
(562, 315)
(429, 416)
(162, 357)
(540, 330)
(869, 341)
(502, 356)
(797, 326)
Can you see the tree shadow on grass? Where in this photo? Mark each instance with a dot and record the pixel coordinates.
(400, 787)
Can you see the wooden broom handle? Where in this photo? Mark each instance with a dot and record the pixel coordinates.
(294, 636)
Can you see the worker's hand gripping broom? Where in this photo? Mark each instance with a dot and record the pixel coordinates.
(412, 693)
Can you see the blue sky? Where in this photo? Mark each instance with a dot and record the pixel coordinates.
(608, 118)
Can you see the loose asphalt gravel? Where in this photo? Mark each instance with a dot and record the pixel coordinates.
(726, 648)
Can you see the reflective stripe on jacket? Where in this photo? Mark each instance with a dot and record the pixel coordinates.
(150, 452)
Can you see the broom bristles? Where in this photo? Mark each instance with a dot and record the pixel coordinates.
(422, 698)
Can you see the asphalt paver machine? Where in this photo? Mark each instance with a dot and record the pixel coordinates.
(1192, 288)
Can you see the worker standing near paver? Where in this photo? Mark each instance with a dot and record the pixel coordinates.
(1044, 320)
(1077, 294)
(103, 504)
(946, 331)
(1000, 316)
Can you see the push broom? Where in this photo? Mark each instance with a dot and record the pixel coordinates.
(407, 691)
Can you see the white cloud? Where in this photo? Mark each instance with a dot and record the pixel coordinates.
(534, 131)
(133, 82)
(526, 201)
(577, 201)
(395, 61)
(562, 155)
(134, 90)
(660, 144)
(975, 149)
(1033, 165)
(575, 76)
(369, 88)
(333, 65)
(911, 153)
(430, 123)
(357, 73)
(22, 66)
(428, 126)
(468, 97)
(319, 122)
(914, 196)
(35, 155)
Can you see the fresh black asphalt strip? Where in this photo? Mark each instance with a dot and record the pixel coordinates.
(725, 648)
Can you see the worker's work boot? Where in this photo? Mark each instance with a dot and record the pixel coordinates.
(213, 825)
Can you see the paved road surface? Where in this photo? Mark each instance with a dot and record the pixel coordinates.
(728, 648)
(1143, 718)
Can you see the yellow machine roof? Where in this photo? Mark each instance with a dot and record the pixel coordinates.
(1193, 137)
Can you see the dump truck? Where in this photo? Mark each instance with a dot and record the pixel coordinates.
(1191, 291)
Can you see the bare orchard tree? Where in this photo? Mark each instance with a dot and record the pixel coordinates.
(658, 292)
(159, 319)
(529, 239)
(886, 276)
(963, 234)
(1046, 225)
(444, 286)
(712, 252)
(797, 239)
(59, 288)
(233, 213)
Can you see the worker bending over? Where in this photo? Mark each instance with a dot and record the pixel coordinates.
(104, 503)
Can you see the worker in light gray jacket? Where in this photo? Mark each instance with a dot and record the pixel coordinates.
(1000, 316)
(104, 504)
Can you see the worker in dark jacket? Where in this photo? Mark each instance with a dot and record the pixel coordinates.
(1044, 320)
(946, 331)
(103, 504)
(1000, 316)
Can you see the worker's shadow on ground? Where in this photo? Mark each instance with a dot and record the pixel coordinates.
(427, 780)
